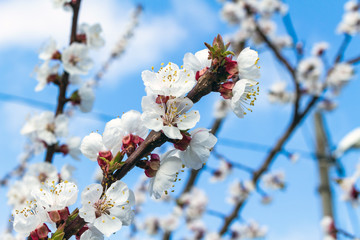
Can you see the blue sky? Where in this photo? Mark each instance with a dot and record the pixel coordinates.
(167, 30)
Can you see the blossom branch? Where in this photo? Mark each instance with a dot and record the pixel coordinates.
(62, 100)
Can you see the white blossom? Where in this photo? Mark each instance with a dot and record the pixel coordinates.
(75, 59)
(309, 72)
(73, 146)
(195, 202)
(56, 197)
(87, 98)
(250, 230)
(239, 191)
(170, 117)
(46, 127)
(166, 175)
(274, 180)
(28, 218)
(350, 23)
(20, 191)
(93, 35)
(92, 234)
(169, 81)
(340, 75)
(66, 172)
(48, 50)
(221, 172)
(278, 93)
(108, 212)
(247, 61)
(243, 97)
(43, 73)
(91, 145)
(198, 61)
(319, 48)
(198, 151)
(130, 124)
(43, 171)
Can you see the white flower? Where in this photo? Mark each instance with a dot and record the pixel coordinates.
(350, 193)
(351, 140)
(130, 124)
(169, 81)
(93, 38)
(319, 48)
(43, 171)
(221, 108)
(56, 197)
(28, 218)
(233, 12)
(169, 223)
(92, 234)
(91, 145)
(60, 3)
(251, 230)
(73, 146)
(350, 23)
(87, 98)
(243, 97)
(75, 59)
(309, 72)
(274, 180)
(108, 212)
(239, 191)
(170, 117)
(20, 191)
(43, 73)
(197, 62)
(195, 202)
(222, 172)
(166, 175)
(351, 5)
(340, 75)
(278, 93)
(152, 225)
(48, 50)
(46, 127)
(247, 61)
(198, 151)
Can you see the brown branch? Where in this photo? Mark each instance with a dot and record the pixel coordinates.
(286, 63)
(62, 100)
(207, 83)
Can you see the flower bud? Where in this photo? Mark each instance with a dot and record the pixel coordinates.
(226, 89)
(183, 143)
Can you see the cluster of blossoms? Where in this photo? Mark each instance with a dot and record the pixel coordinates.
(45, 129)
(350, 23)
(239, 191)
(310, 71)
(250, 230)
(75, 62)
(245, 13)
(274, 180)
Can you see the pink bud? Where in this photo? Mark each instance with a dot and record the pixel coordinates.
(106, 154)
(64, 149)
(231, 67)
(54, 216)
(226, 89)
(127, 139)
(154, 156)
(42, 231)
(64, 213)
(183, 143)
